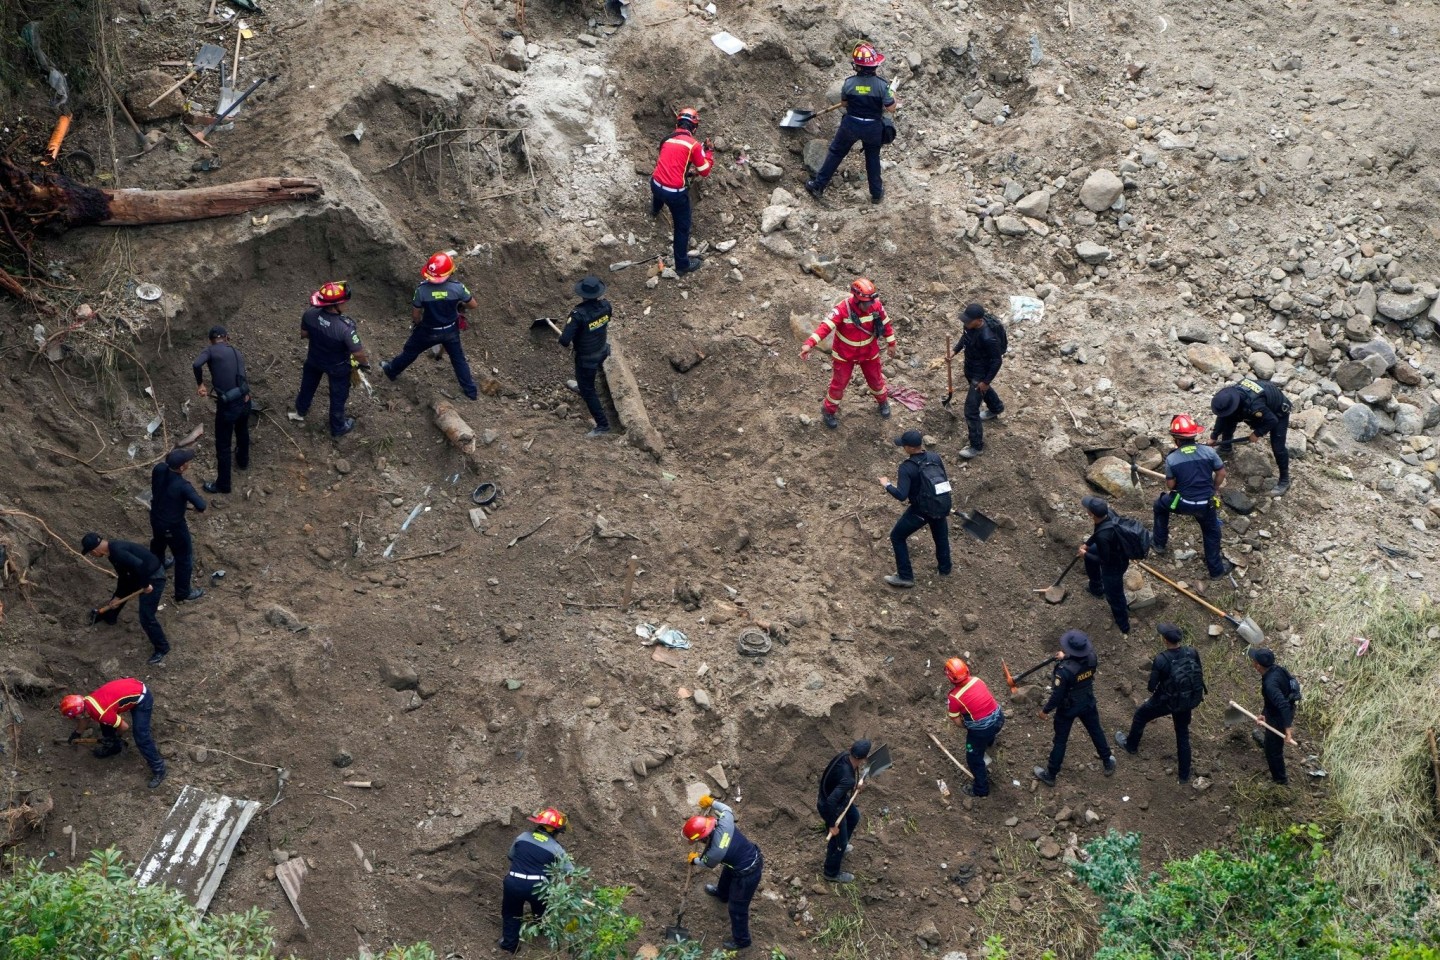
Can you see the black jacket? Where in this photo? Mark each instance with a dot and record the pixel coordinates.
(588, 331)
(866, 95)
(1278, 711)
(1262, 409)
(227, 367)
(837, 783)
(134, 566)
(1160, 669)
(332, 338)
(910, 481)
(1105, 546)
(169, 493)
(982, 353)
(1073, 688)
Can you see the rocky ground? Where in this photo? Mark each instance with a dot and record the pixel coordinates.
(1191, 194)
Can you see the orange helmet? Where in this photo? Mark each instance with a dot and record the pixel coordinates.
(956, 670)
(332, 294)
(865, 55)
(863, 290)
(438, 268)
(698, 828)
(550, 818)
(688, 116)
(1184, 427)
(72, 705)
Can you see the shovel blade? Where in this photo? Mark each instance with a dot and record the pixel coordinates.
(879, 762)
(1055, 594)
(209, 56)
(794, 119)
(978, 525)
(1234, 716)
(676, 935)
(1250, 632)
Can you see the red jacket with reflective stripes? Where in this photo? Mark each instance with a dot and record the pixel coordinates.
(114, 698)
(677, 153)
(857, 338)
(972, 701)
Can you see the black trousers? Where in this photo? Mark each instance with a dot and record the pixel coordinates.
(977, 741)
(339, 393)
(678, 203)
(585, 384)
(1089, 717)
(516, 894)
(1111, 586)
(909, 522)
(232, 441)
(851, 131)
(177, 540)
(737, 890)
(835, 849)
(1153, 710)
(1275, 754)
(149, 606)
(1277, 444)
(423, 338)
(973, 424)
(139, 726)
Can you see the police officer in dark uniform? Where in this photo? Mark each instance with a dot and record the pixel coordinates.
(1168, 697)
(170, 494)
(1106, 561)
(1194, 473)
(929, 506)
(983, 358)
(136, 569)
(435, 319)
(867, 102)
(232, 405)
(1260, 404)
(837, 785)
(334, 349)
(1072, 697)
(588, 333)
(531, 855)
(1278, 711)
(740, 862)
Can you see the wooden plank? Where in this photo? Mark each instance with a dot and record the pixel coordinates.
(192, 850)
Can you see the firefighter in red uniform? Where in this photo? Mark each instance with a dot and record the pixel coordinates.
(858, 323)
(107, 706)
(971, 705)
(678, 154)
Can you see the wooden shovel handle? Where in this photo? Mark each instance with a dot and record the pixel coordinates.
(178, 84)
(960, 766)
(1290, 740)
(1191, 594)
(116, 604)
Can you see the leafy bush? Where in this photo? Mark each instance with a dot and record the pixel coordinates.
(97, 911)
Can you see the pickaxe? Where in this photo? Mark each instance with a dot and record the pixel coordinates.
(1136, 470)
(1014, 682)
(1248, 629)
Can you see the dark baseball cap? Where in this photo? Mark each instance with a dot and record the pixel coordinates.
(1099, 506)
(89, 542)
(216, 332)
(1075, 643)
(176, 459)
(974, 312)
(1226, 401)
(1170, 632)
(910, 438)
(1262, 655)
(860, 749)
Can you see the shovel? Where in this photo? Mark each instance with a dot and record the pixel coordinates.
(1014, 682)
(1248, 629)
(795, 119)
(879, 762)
(1236, 714)
(1056, 593)
(960, 766)
(678, 933)
(229, 110)
(537, 329)
(949, 378)
(97, 612)
(976, 524)
(208, 58)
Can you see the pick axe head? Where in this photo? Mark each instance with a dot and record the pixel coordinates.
(1009, 678)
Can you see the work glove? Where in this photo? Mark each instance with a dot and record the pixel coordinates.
(363, 367)
(705, 802)
(692, 857)
(74, 735)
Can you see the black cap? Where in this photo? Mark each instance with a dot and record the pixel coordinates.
(176, 459)
(1075, 643)
(1226, 401)
(1262, 655)
(910, 438)
(1098, 506)
(217, 331)
(89, 542)
(974, 312)
(1170, 632)
(591, 288)
(860, 749)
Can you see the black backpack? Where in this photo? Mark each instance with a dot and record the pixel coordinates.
(1292, 687)
(932, 497)
(996, 326)
(1134, 538)
(1184, 688)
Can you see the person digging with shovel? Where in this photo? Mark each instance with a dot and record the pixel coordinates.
(138, 572)
(1106, 561)
(531, 854)
(838, 784)
(587, 331)
(331, 342)
(435, 320)
(972, 706)
(923, 482)
(107, 706)
(1072, 697)
(739, 859)
(1278, 712)
(1177, 686)
(868, 105)
(678, 153)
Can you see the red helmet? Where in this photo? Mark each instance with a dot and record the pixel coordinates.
(866, 55)
(551, 818)
(698, 828)
(332, 294)
(1182, 426)
(863, 290)
(688, 115)
(956, 670)
(72, 705)
(438, 268)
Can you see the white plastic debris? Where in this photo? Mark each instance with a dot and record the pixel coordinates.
(728, 43)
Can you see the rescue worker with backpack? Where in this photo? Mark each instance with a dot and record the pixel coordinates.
(1194, 474)
(858, 323)
(1260, 404)
(923, 482)
(1072, 697)
(1281, 692)
(1177, 686)
(984, 344)
(971, 705)
(1106, 560)
(868, 105)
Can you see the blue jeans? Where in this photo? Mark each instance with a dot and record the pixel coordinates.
(977, 740)
(1153, 710)
(851, 132)
(910, 521)
(516, 894)
(140, 727)
(423, 338)
(149, 607)
(339, 393)
(585, 383)
(737, 890)
(1205, 514)
(1089, 717)
(973, 425)
(1112, 587)
(177, 540)
(835, 850)
(232, 428)
(679, 204)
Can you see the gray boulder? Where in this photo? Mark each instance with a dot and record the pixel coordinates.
(1100, 190)
(1360, 423)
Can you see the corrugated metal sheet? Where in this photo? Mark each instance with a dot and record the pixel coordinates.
(195, 842)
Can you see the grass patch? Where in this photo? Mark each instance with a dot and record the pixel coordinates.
(1372, 713)
(848, 935)
(1058, 917)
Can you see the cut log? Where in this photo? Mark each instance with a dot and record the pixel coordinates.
(629, 404)
(456, 430)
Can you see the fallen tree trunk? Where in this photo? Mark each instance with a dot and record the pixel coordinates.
(456, 430)
(625, 391)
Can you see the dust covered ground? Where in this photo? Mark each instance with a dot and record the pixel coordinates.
(1276, 213)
